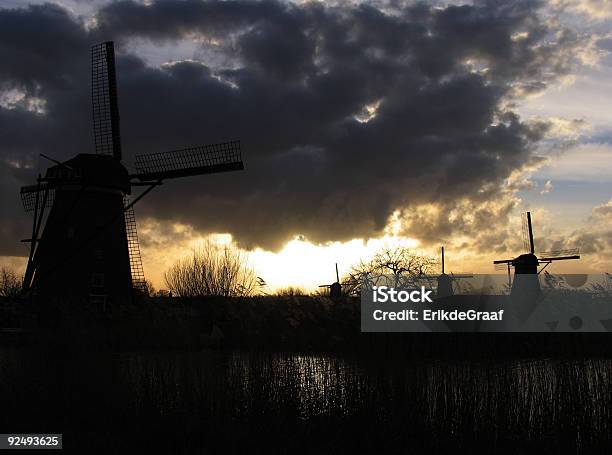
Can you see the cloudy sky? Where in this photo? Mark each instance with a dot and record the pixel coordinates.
(362, 123)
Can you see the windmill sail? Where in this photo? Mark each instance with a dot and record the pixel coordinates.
(104, 100)
(528, 244)
(524, 232)
(207, 159)
(559, 253)
(30, 192)
(138, 277)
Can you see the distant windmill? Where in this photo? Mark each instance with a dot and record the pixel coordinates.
(526, 265)
(89, 246)
(445, 282)
(335, 289)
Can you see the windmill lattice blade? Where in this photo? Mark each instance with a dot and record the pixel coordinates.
(206, 159)
(525, 231)
(138, 277)
(530, 232)
(558, 253)
(28, 196)
(501, 266)
(559, 258)
(104, 100)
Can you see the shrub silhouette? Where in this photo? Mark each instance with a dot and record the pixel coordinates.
(212, 269)
(10, 283)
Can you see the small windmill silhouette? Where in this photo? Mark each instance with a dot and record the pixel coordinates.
(89, 244)
(526, 265)
(445, 282)
(335, 289)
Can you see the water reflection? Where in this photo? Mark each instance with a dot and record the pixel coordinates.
(532, 396)
(548, 403)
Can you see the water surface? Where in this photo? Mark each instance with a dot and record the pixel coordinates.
(228, 401)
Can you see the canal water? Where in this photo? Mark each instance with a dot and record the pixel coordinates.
(236, 401)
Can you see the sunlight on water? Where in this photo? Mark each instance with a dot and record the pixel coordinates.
(533, 396)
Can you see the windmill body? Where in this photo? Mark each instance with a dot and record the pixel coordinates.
(445, 286)
(526, 283)
(83, 249)
(89, 247)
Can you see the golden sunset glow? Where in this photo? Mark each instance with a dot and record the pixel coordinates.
(299, 263)
(305, 265)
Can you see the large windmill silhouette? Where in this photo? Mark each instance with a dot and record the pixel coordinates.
(89, 244)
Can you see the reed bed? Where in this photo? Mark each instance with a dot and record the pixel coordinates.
(215, 401)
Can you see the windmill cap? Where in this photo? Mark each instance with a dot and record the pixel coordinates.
(444, 279)
(525, 259)
(92, 169)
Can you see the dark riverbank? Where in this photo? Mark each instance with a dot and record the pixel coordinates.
(295, 375)
(294, 324)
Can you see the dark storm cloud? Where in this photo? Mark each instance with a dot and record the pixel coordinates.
(301, 74)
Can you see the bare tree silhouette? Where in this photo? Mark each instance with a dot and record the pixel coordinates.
(401, 263)
(212, 270)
